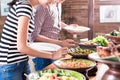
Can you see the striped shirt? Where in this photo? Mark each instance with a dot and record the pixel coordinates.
(47, 21)
(8, 43)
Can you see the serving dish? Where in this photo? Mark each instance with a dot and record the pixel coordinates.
(79, 65)
(80, 52)
(75, 64)
(115, 39)
(44, 46)
(87, 46)
(92, 44)
(113, 62)
(56, 74)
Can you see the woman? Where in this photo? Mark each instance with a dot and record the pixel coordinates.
(47, 29)
(14, 46)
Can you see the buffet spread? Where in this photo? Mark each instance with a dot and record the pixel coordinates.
(84, 60)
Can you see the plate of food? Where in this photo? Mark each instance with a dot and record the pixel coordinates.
(93, 43)
(113, 59)
(80, 65)
(56, 74)
(45, 46)
(114, 36)
(77, 29)
(80, 52)
(115, 39)
(88, 45)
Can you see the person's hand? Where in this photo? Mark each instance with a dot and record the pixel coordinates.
(68, 43)
(60, 53)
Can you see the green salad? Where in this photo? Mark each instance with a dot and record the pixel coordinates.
(80, 51)
(56, 74)
(100, 40)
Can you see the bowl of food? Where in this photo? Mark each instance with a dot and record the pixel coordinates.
(88, 45)
(80, 65)
(115, 39)
(114, 36)
(80, 52)
(56, 74)
(93, 43)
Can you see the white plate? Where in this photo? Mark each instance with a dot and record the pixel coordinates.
(45, 46)
(77, 29)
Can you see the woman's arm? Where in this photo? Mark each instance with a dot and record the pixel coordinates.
(23, 46)
(22, 36)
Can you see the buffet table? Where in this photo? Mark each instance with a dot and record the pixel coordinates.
(52, 66)
(101, 70)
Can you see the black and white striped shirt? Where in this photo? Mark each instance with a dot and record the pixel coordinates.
(8, 43)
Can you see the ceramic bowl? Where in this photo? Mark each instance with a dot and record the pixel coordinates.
(115, 39)
(55, 73)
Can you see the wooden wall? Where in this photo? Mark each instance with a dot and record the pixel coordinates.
(78, 10)
(104, 27)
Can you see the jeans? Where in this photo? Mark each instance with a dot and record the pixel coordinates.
(14, 71)
(41, 63)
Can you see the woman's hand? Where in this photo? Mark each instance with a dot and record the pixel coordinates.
(68, 43)
(60, 53)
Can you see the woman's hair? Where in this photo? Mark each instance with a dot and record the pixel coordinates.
(12, 3)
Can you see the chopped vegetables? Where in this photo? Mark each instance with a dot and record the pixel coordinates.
(80, 51)
(100, 40)
(53, 76)
(56, 74)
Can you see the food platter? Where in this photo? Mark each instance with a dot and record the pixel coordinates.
(77, 29)
(115, 39)
(81, 64)
(44, 46)
(80, 52)
(87, 46)
(57, 74)
(110, 59)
